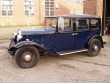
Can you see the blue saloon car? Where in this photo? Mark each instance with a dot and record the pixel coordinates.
(62, 35)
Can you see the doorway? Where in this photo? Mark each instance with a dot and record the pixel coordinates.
(107, 11)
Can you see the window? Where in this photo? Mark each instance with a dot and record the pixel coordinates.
(49, 7)
(94, 23)
(51, 23)
(29, 7)
(7, 7)
(82, 24)
(65, 25)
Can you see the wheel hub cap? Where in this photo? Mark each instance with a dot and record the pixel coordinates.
(27, 57)
(95, 47)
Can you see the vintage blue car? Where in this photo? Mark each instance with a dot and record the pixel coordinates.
(62, 35)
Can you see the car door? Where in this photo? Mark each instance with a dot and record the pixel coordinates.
(81, 38)
(82, 33)
(64, 42)
(64, 38)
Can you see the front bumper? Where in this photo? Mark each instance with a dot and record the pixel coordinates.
(11, 49)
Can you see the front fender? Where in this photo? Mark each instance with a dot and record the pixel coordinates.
(13, 48)
(26, 43)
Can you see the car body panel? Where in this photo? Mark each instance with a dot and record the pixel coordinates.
(53, 41)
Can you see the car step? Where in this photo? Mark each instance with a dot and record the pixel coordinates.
(71, 52)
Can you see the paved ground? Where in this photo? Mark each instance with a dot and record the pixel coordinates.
(74, 68)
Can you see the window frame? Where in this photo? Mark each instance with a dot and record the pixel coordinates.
(27, 8)
(69, 28)
(48, 7)
(97, 27)
(10, 6)
(88, 25)
(74, 26)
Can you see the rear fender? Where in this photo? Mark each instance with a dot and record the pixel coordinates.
(96, 37)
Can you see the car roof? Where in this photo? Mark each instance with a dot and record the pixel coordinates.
(74, 16)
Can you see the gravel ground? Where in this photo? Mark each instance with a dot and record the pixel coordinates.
(74, 68)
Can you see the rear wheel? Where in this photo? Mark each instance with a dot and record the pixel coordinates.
(27, 57)
(94, 47)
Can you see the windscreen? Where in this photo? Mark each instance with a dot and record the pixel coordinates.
(50, 23)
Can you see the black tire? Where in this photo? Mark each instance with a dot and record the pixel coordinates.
(94, 47)
(30, 52)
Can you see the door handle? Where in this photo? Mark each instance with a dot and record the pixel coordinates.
(75, 34)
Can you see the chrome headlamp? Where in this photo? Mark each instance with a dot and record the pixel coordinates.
(14, 35)
(19, 36)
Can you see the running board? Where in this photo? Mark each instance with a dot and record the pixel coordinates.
(71, 52)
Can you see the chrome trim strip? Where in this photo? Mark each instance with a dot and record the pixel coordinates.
(72, 52)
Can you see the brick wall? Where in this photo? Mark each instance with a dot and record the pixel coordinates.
(89, 7)
(73, 6)
(100, 8)
(94, 7)
(61, 10)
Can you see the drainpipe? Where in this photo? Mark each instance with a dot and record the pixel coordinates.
(103, 17)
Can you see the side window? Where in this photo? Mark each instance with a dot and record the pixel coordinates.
(50, 23)
(94, 24)
(64, 25)
(82, 24)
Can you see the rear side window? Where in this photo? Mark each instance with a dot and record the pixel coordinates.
(94, 23)
(82, 24)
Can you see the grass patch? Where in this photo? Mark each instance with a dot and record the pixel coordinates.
(20, 26)
(6, 32)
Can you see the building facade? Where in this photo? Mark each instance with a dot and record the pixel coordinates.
(19, 12)
(32, 12)
(94, 7)
(100, 8)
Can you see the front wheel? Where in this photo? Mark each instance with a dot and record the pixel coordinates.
(27, 56)
(94, 47)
